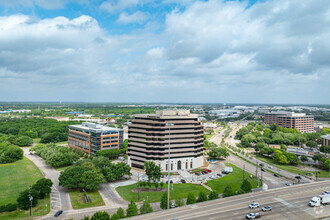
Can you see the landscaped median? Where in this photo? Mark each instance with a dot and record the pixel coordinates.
(79, 201)
(180, 191)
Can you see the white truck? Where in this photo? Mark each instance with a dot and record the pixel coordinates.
(319, 200)
(227, 170)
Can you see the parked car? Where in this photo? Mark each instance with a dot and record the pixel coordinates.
(254, 205)
(253, 215)
(288, 184)
(207, 170)
(326, 193)
(266, 208)
(183, 181)
(170, 181)
(173, 205)
(204, 172)
(197, 174)
(58, 213)
(262, 169)
(212, 177)
(219, 174)
(270, 167)
(275, 174)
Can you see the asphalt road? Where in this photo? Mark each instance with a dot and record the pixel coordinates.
(288, 203)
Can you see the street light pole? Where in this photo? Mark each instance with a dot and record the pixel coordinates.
(168, 166)
(31, 199)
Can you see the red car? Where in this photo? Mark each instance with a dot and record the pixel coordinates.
(207, 170)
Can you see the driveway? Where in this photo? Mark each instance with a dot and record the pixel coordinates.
(60, 198)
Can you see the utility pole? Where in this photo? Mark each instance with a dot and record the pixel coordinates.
(256, 169)
(31, 199)
(243, 172)
(168, 167)
(138, 186)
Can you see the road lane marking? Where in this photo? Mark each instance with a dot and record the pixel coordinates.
(284, 202)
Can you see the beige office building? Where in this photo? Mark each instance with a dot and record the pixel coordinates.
(325, 140)
(148, 137)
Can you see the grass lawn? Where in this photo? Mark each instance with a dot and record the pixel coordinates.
(36, 140)
(62, 168)
(62, 142)
(180, 191)
(78, 200)
(15, 178)
(233, 179)
(39, 210)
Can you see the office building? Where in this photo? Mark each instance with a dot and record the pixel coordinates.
(300, 121)
(91, 137)
(325, 140)
(148, 139)
(271, 117)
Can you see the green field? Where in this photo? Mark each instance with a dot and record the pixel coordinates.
(39, 210)
(180, 191)
(15, 178)
(78, 201)
(233, 179)
(293, 169)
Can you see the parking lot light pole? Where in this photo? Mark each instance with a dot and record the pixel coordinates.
(168, 166)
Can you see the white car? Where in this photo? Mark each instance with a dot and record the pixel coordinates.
(288, 184)
(326, 193)
(270, 167)
(254, 205)
(253, 215)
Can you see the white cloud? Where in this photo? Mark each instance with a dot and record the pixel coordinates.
(214, 51)
(112, 6)
(46, 4)
(136, 17)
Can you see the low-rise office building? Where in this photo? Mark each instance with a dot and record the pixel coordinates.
(271, 117)
(149, 137)
(325, 140)
(91, 137)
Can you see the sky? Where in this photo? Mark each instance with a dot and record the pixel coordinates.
(178, 51)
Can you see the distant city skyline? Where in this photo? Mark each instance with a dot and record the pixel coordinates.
(171, 51)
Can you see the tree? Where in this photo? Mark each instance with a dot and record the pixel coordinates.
(23, 141)
(246, 186)
(303, 158)
(179, 202)
(312, 144)
(132, 209)
(120, 212)
(10, 153)
(23, 201)
(100, 216)
(115, 217)
(228, 191)
(292, 158)
(146, 208)
(70, 177)
(161, 184)
(191, 199)
(325, 149)
(152, 170)
(213, 195)
(218, 152)
(90, 179)
(202, 197)
(156, 185)
(43, 186)
(163, 201)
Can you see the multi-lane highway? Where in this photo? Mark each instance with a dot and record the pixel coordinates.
(288, 203)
